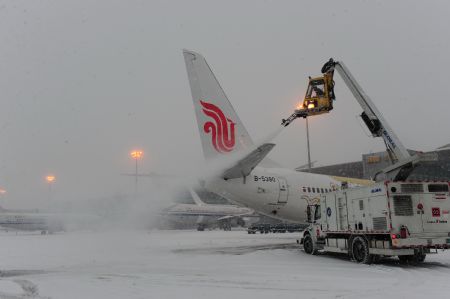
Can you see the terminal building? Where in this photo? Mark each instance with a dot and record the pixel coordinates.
(372, 163)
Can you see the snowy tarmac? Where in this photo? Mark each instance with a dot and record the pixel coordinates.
(191, 264)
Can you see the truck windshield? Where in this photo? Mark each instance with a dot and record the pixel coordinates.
(317, 213)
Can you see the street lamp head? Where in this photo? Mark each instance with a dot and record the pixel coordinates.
(50, 178)
(136, 154)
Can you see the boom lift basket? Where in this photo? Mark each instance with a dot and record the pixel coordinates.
(319, 96)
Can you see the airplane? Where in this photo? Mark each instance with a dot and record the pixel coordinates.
(30, 220)
(205, 215)
(242, 173)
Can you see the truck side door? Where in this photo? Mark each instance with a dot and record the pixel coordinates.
(330, 211)
(359, 213)
(342, 213)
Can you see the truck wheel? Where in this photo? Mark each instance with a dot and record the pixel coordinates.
(308, 245)
(360, 251)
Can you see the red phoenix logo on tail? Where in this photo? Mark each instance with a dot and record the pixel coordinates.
(222, 129)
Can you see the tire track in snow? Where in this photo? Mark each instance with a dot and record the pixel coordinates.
(407, 280)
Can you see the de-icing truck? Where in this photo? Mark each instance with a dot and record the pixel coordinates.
(408, 219)
(393, 217)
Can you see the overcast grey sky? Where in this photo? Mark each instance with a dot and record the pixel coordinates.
(84, 82)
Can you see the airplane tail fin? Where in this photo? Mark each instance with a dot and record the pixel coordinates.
(221, 130)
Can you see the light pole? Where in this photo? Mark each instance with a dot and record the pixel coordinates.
(50, 180)
(299, 107)
(136, 155)
(307, 144)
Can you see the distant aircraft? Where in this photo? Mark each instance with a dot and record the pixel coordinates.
(205, 215)
(243, 174)
(30, 220)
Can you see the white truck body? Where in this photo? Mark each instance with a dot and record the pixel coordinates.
(392, 218)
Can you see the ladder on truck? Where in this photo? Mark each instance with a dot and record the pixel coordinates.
(402, 162)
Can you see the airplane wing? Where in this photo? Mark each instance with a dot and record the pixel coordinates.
(245, 166)
(199, 214)
(221, 214)
(249, 214)
(151, 175)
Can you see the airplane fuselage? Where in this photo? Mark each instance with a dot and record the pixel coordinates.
(280, 193)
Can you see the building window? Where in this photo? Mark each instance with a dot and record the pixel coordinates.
(373, 159)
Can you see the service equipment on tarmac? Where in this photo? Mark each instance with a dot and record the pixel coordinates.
(404, 219)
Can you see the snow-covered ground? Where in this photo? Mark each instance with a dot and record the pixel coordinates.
(191, 264)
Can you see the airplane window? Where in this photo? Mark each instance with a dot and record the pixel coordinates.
(304, 189)
(309, 190)
(314, 190)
